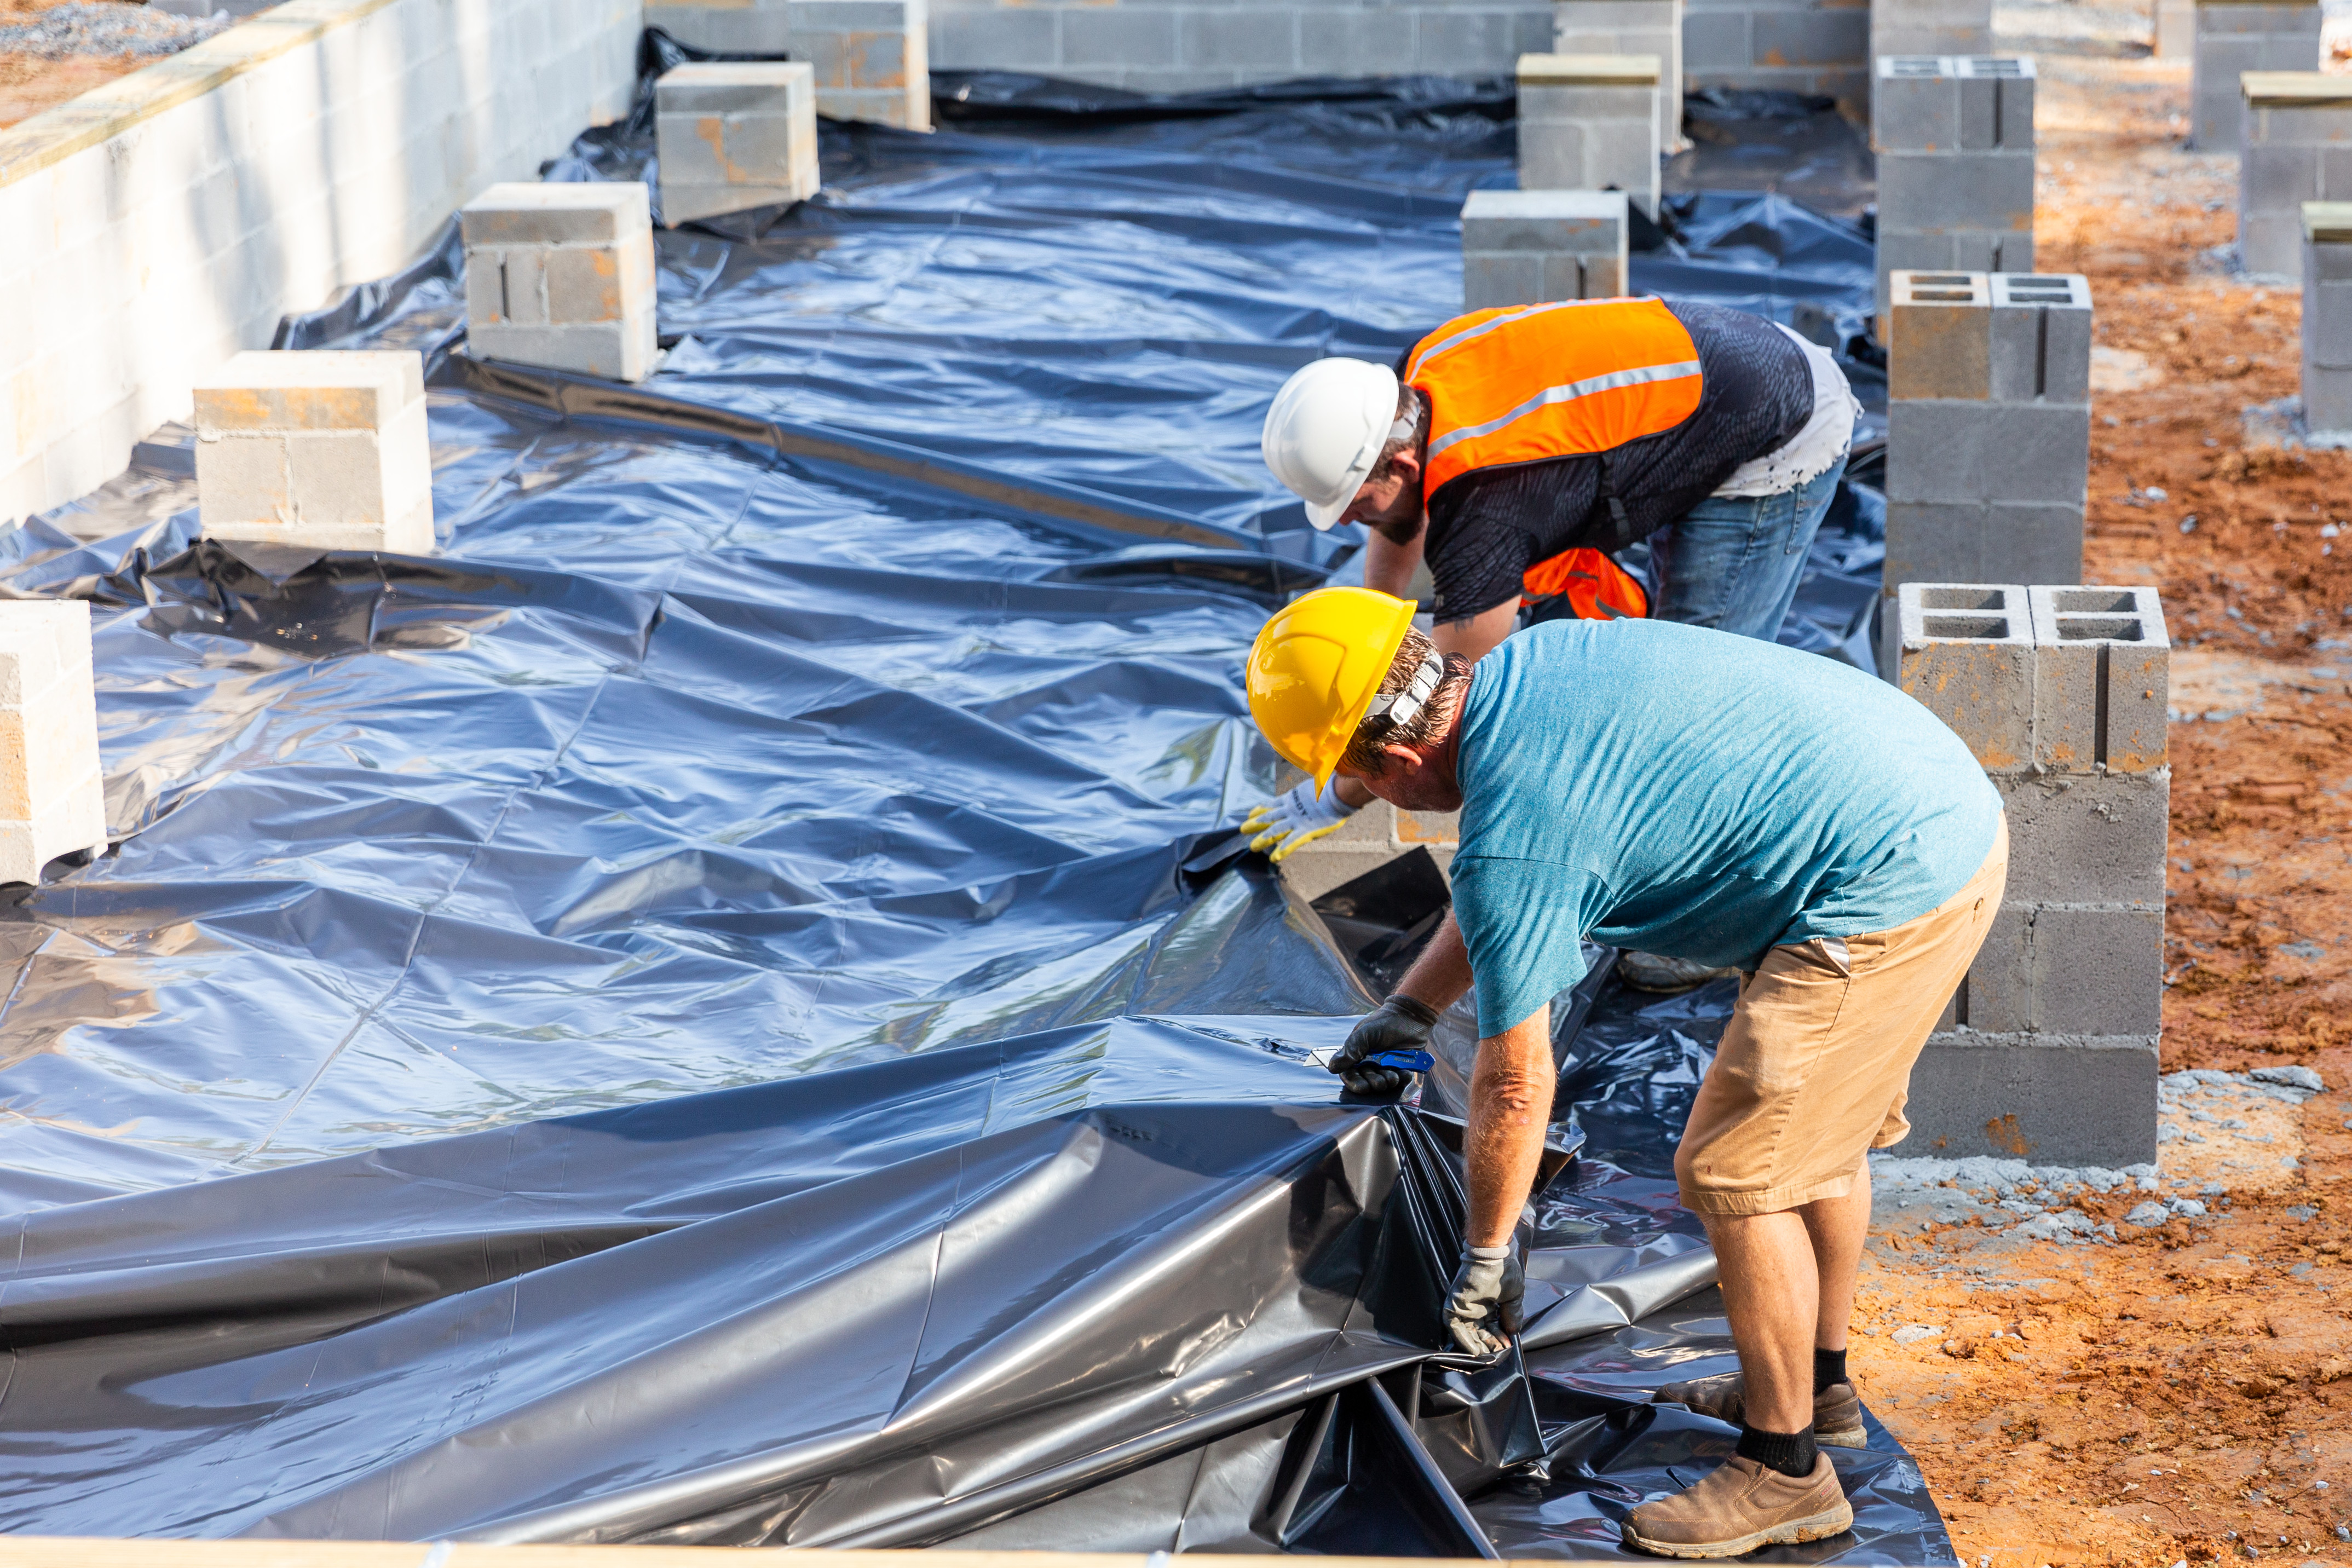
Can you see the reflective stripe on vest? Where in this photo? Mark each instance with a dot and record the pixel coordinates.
(1567, 379)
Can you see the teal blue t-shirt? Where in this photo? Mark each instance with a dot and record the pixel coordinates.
(1687, 792)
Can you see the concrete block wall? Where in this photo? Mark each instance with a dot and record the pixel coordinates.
(872, 58)
(2231, 38)
(1523, 247)
(1188, 45)
(1367, 841)
(2295, 146)
(1590, 122)
(52, 795)
(1988, 428)
(1797, 45)
(2049, 1049)
(1631, 27)
(561, 275)
(2327, 317)
(1930, 28)
(327, 449)
(735, 136)
(1955, 142)
(156, 226)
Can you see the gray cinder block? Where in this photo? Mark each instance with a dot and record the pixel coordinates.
(1966, 653)
(1930, 28)
(1590, 122)
(2084, 838)
(52, 787)
(1955, 140)
(1972, 542)
(2053, 1099)
(2327, 316)
(2041, 337)
(733, 136)
(561, 275)
(2231, 38)
(2097, 969)
(1630, 27)
(1522, 248)
(2101, 679)
(2295, 147)
(326, 448)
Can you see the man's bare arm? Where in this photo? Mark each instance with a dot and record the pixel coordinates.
(1478, 636)
(1389, 567)
(1510, 1103)
(1441, 976)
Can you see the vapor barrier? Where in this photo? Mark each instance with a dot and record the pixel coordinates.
(724, 1007)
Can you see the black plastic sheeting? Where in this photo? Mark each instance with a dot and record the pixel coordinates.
(723, 1007)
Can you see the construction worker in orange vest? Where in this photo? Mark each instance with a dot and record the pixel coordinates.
(1516, 450)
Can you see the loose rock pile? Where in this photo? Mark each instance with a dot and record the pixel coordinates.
(105, 28)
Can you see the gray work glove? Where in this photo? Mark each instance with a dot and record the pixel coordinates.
(1482, 1305)
(1399, 1023)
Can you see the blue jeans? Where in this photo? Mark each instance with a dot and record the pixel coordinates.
(1733, 563)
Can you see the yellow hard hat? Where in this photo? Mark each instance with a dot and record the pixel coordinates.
(1316, 667)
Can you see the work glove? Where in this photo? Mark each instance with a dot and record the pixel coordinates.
(1482, 1307)
(1399, 1023)
(1287, 821)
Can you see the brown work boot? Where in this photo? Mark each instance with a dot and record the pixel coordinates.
(1739, 1507)
(1837, 1409)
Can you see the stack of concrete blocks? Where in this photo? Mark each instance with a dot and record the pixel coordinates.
(871, 57)
(561, 275)
(2049, 1050)
(1524, 247)
(324, 450)
(1794, 46)
(1988, 428)
(1955, 141)
(1367, 841)
(2172, 30)
(1930, 28)
(1631, 27)
(1590, 122)
(2328, 322)
(2295, 147)
(2233, 39)
(735, 136)
(52, 793)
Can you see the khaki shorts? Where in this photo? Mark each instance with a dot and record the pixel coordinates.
(1816, 1064)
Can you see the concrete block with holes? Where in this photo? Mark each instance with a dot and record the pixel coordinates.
(1989, 427)
(323, 449)
(2295, 147)
(1523, 247)
(1590, 122)
(1630, 27)
(2327, 317)
(1930, 28)
(2232, 37)
(1367, 841)
(561, 275)
(1954, 135)
(52, 792)
(2060, 693)
(735, 135)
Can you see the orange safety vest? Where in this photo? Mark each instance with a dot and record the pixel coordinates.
(1572, 378)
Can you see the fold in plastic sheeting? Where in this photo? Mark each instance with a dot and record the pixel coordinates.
(725, 1006)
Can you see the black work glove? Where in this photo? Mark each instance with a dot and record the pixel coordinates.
(1482, 1305)
(1399, 1023)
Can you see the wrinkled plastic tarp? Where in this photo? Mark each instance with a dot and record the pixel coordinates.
(685, 1016)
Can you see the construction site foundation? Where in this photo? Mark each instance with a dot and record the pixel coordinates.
(1590, 122)
(561, 275)
(734, 136)
(2047, 1050)
(326, 450)
(2232, 37)
(1523, 247)
(52, 793)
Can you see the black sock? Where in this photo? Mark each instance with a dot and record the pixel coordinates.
(1829, 1367)
(1791, 1453)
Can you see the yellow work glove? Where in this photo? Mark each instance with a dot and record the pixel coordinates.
(1287, 821)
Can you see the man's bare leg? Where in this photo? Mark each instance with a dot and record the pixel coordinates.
(1838, 1228)
(1772, 1293)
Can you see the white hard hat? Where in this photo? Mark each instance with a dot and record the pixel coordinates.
(1326, 430)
